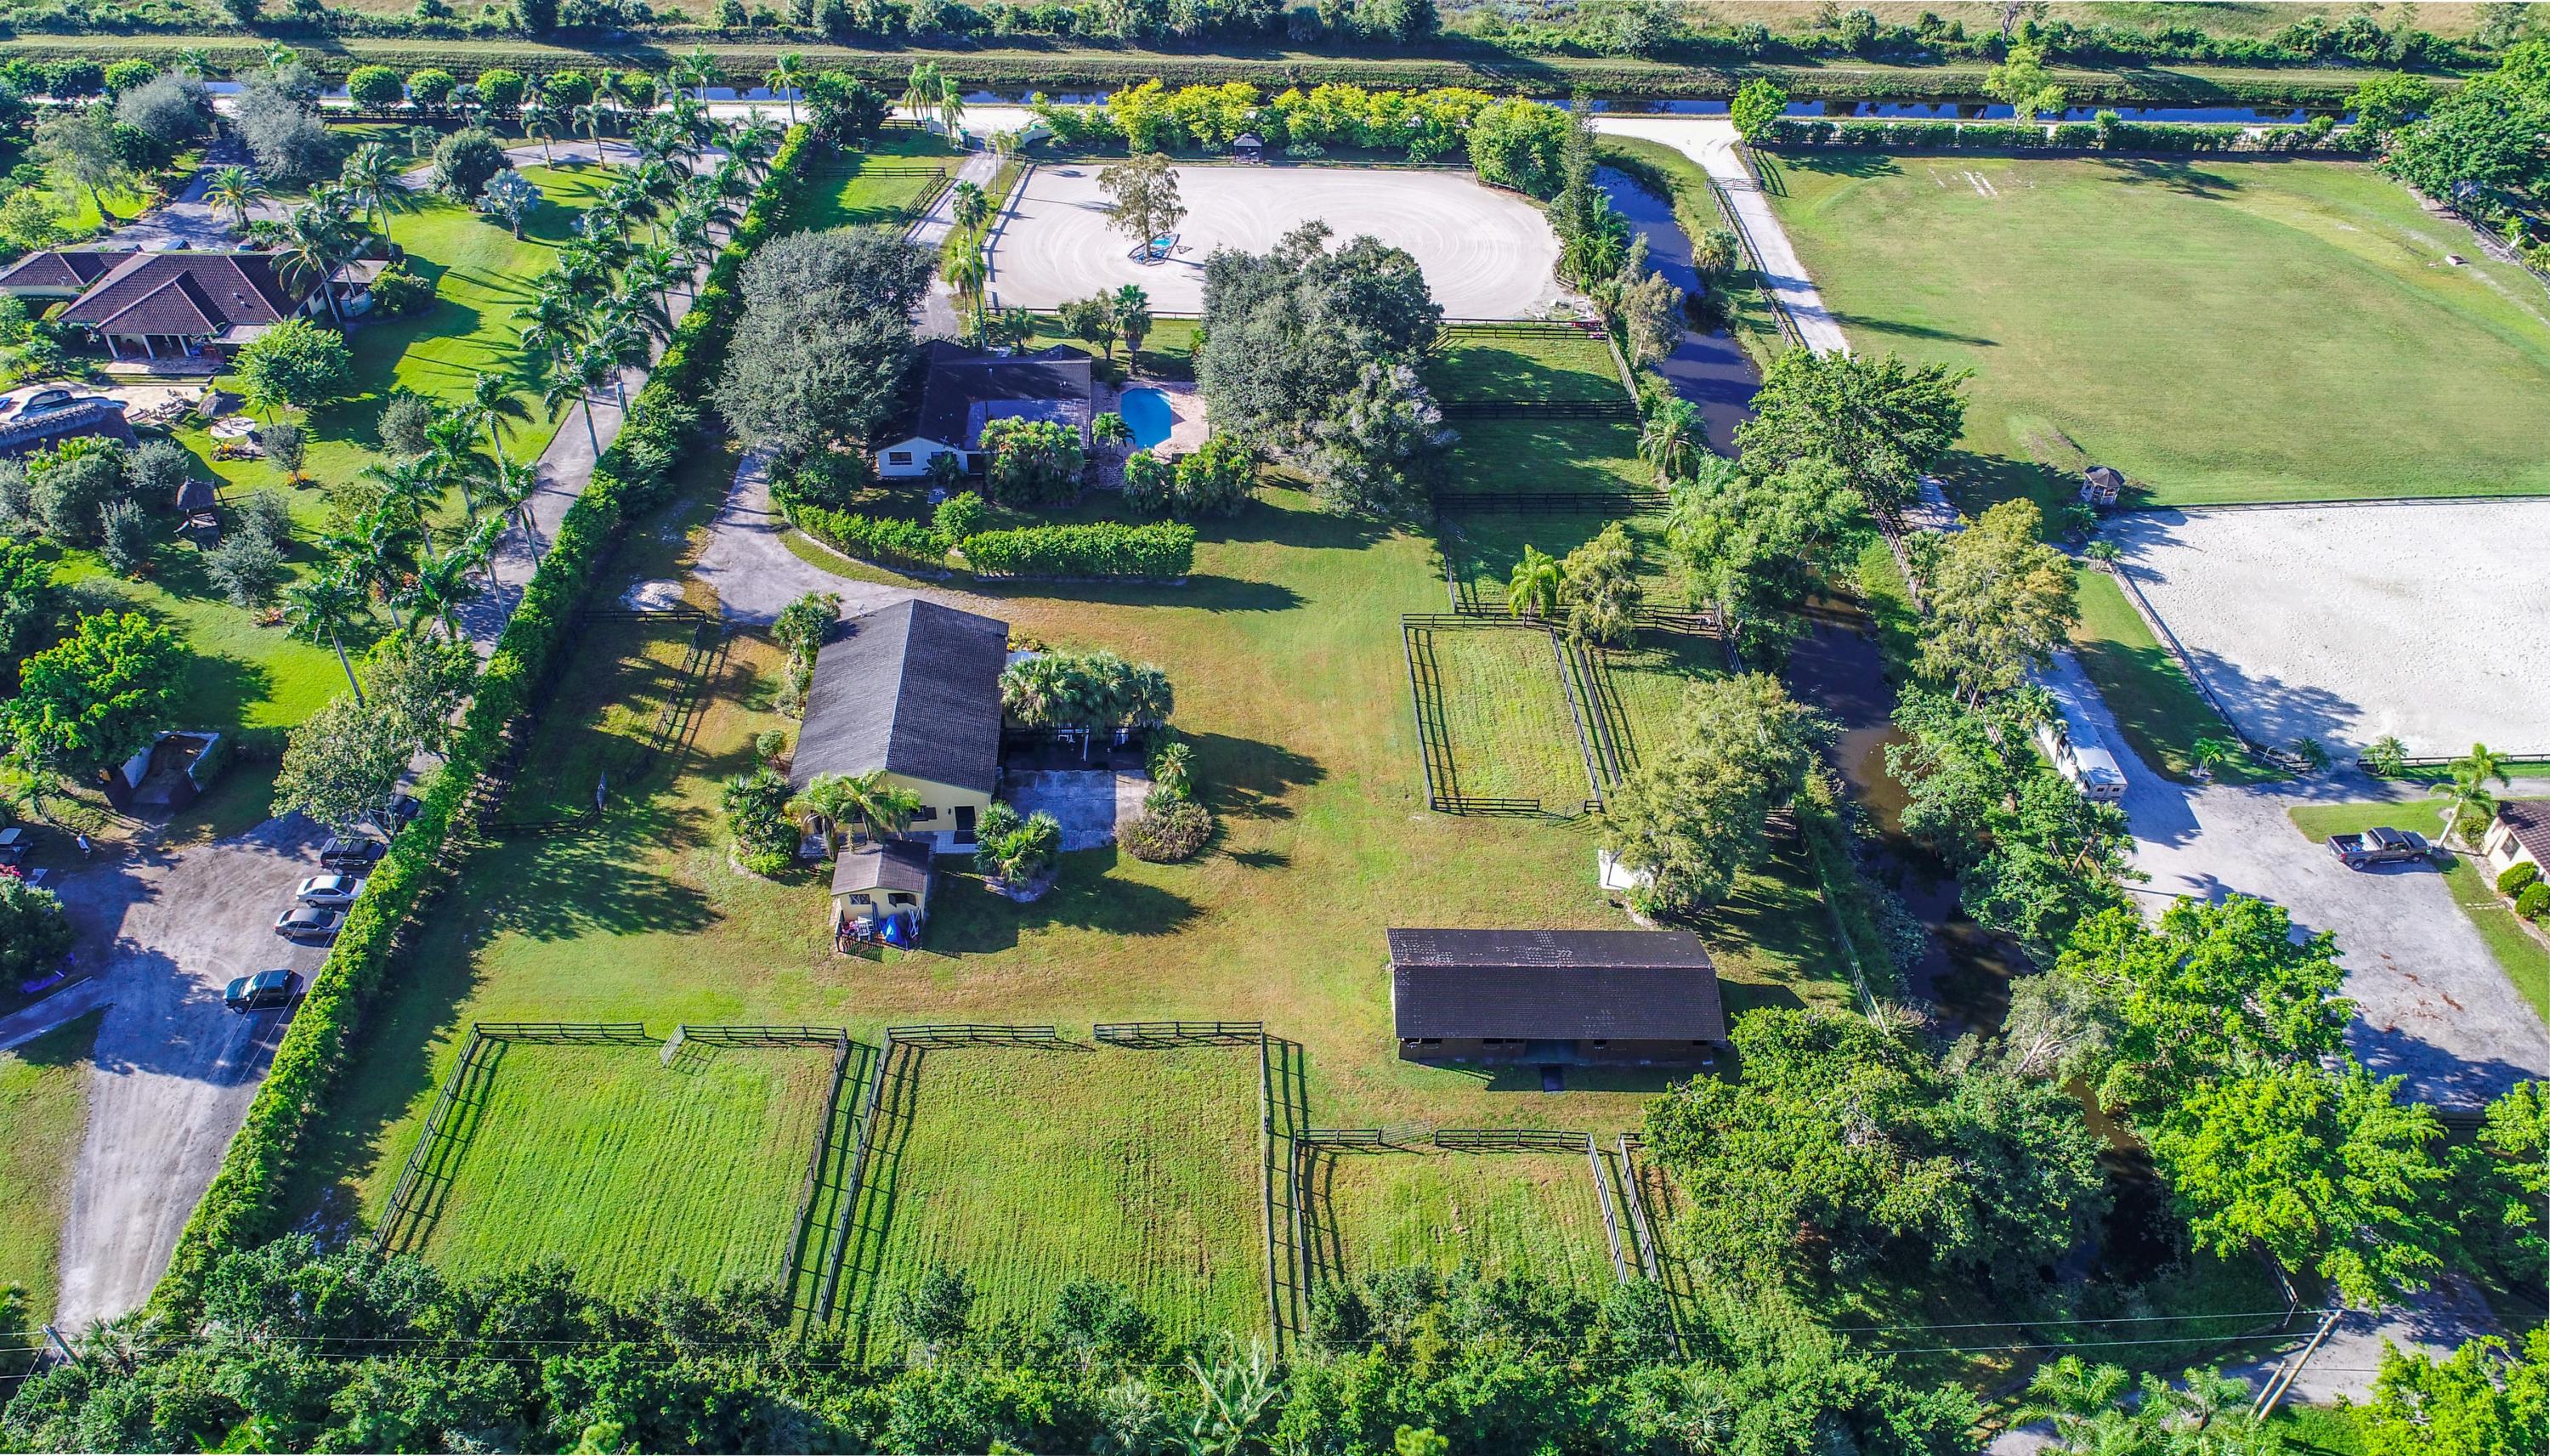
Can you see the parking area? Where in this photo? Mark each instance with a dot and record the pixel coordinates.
(2420, 619)
(1485, 255)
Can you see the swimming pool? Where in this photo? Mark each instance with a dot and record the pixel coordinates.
(1147, 413)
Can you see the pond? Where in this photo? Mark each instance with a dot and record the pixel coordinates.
(1147, 413)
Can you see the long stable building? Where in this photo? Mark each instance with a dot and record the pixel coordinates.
(1620, 997)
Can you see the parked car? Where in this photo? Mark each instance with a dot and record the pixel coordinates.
(402, 808)
(350, 853)
(2380, 846)
(309, 923)
(330, 889)
(262, 989)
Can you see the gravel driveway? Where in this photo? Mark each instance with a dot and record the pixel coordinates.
(2431, 1003)
(174, 1070)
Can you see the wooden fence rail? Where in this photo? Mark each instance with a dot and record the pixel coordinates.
(973, 1033)
(605, 1031)
(1180, 1034)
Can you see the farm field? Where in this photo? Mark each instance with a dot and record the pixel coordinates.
(43, 1105)
(603, 1156)
(2189, 323)
(1030, 1166)
(1525, 1213)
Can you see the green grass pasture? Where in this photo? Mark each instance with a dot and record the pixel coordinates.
(1548, 456)
(1525, 1213)
(43, 1105)
(880, 187)
(2220, 331)
(1502, 366)
(625, 717)
(1029, 1166)
(625, 1168)
(2154, 701)
(1505, 714)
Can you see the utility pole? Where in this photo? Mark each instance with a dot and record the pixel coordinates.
(2283, 1380)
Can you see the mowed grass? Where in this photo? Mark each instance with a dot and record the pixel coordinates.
(617, 720)
(2220, 331)
(882, 185)
(1029, 1167)
(1505, 714)
(2153, 700)
(1522, 455)
(43, 1105)
(630, 1171)
(1500, 366)
(2518, 952)
(1533, 1215)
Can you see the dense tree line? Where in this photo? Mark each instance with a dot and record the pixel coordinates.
(297, 1350)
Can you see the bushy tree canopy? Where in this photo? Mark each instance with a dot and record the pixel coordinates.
(296, 362)
(825, 341)
(98, 696)
(1689, 815)
(1881, 421)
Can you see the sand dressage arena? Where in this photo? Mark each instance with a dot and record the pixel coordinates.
(2429, 621)
(1485, 255)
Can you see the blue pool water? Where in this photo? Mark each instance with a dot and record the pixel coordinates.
(1146, 413)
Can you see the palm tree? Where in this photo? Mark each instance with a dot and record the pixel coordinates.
(2387, 757)
(868, 803)
(2211, 753)
(409, 488)
(438, 591)
(787, 73)
(236, 188)
(921, 90)
(323, 608)
(278, 56)
(967, 270)
(371, 179)
(491, 404)
(313, 244)
(1533, 588)
(541, 119)
(699, 68)
(2482, 764)
(573, 381)
(511, 484)
(1131, 310)
(588, 118)
(951, 104)
(2466, 800)
(753, 143)
(971, 207)
(1672, 439)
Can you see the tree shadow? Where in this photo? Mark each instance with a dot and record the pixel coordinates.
(571, 885)
(1912, 330)
(970, 920)
(2181, 177)
(1249, 778)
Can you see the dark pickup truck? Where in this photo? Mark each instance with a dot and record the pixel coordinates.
(2379, 847)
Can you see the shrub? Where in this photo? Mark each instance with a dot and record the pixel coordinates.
(398, 292)
(831, 479)
(2534, 903)
(169, 109)
(124, 536)
(464, 160)
(247, 567)
(1216, 480)
(286, 445)
(1013, 850)
(432, 87)
(158, 468)
(500, 89)
(1160, 552)
(297, 362)
(402, 423)
(34, 931)
(1150, 483)
(1034, 463)
(71, 489)
(883, 539)
(756, 806)
(2518, 877)
(961, 515)
(374, 87)
(1169, 830)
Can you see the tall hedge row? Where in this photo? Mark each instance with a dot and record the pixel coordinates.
(1801, 134)
(239, 1209)
(888, 540)
(1160, 552)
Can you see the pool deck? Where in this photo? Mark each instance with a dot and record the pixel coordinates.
(1187, 428)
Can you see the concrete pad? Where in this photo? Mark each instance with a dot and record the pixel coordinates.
(1485, 255)
(1086, 802)
(2421, 618)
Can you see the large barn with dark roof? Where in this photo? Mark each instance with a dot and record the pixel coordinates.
(914, 690)
(1619, 997)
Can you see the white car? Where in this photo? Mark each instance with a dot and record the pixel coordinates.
(335, 890)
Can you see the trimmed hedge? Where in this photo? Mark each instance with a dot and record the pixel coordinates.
(239, 1208)
(886, 540)
(1799, 133)
(1162, 550)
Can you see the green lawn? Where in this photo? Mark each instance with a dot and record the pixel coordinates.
(1548, 456)
(620, 721)
(882, 185)
(1494, 366)
(1522, 1214)
(2519, 953)
(2155, 704)
(1505, 714)
(43, 1105)
(627, 1169)
(2218, 330)
(1168, 351)
(1029, 1167)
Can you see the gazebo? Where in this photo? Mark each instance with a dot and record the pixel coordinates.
(1249, 146)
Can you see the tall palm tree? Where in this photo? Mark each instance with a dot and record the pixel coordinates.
(588, 119)
(409, 489)
(1533, 588)
(970, 207)
(236, 188)
(2482, 764)
(573, 380)
(439, 590)
(541, 119)
(510, 486)
(865, 803)
(611, 91)
(313, 244)
(698, 68)
(371, 180)
(967, 272)
(951, 104)
(491, 404)
(922, 88)
(787, 75)
(1672, 439)
(321, 609)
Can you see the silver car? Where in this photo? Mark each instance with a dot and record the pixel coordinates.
(330, 889)
(309, 923)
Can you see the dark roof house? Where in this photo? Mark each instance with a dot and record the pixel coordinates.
(56, 272)
(968, 389)
(1646, 996)
(2520, 830)
(887, 864)
(157, 303)
(915, 689)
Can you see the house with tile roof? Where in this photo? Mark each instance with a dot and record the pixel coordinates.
(2519, 834)
(178, 305)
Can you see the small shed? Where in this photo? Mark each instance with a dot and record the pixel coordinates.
(2101, 485)
(875, 882)
(1249, 146)
(1639, 997)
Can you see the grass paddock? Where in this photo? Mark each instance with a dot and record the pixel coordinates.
(1535, 1214)
(43, 1105)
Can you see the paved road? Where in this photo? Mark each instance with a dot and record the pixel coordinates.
(187, 220)
(747, 564)
(173, 1070)
(2432, 1003)
(939, 309)
(1711, 142)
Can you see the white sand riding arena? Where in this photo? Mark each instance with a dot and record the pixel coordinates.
(2424, 619)
(1485, 255)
